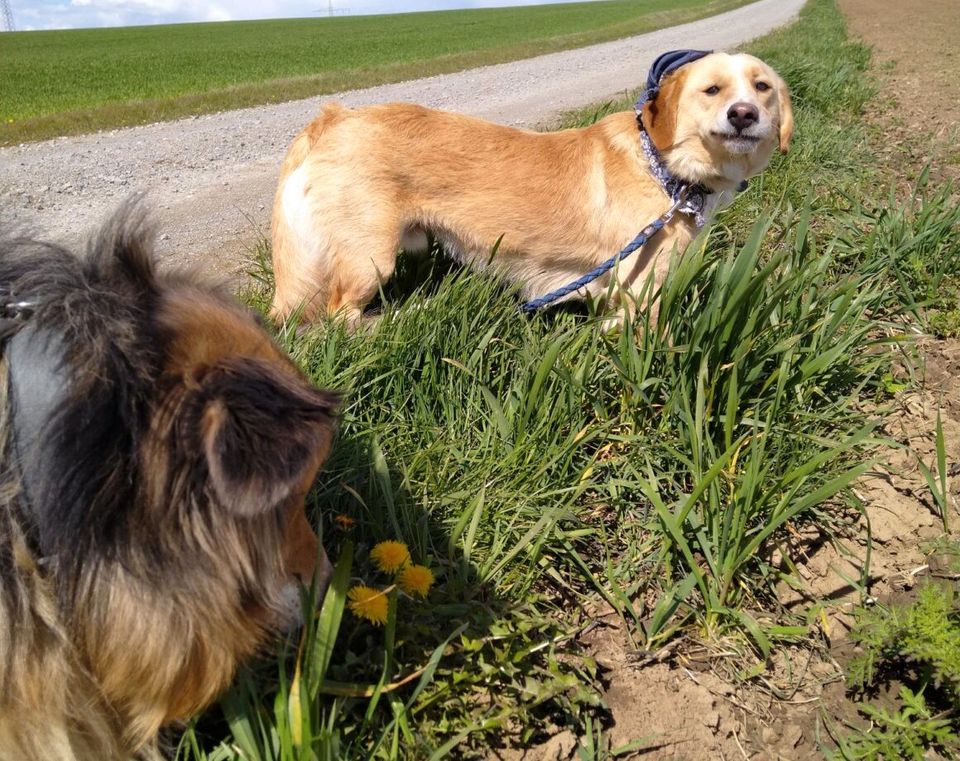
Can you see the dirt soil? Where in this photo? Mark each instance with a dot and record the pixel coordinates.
(916, 54)
(687, 709)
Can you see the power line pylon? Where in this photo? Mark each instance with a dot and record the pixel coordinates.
(6, 17)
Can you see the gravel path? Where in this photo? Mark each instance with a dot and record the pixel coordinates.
(212, 178)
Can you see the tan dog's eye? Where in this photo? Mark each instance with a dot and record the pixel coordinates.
(712, 90)
(762, 86)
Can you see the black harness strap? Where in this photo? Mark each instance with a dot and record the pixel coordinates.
(37, 384)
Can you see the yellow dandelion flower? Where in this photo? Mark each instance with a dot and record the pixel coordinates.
(390, 556)
(368, 603)
(416, 580)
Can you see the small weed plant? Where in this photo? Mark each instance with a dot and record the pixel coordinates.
(911, 733)
(917, 645)
(922, 637)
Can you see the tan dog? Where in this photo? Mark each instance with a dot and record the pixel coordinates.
(357, 185)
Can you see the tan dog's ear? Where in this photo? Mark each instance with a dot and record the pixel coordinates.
(786, 115)
(660, 115)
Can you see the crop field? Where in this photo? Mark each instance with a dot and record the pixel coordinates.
(671, 485)
(63, 82)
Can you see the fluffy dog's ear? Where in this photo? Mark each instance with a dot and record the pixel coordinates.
(660, 114)
(264, 433)
(786, 115)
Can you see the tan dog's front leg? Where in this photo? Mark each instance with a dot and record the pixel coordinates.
(637, 287)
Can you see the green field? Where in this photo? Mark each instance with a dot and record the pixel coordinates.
(62, 82)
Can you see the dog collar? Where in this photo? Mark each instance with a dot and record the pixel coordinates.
(696, 194)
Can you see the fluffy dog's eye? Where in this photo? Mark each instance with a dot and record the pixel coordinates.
(712, 90)
(762, 86)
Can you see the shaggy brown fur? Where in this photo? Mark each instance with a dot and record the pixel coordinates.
(152, 532)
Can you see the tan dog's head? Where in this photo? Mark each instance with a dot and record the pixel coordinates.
(716, 120)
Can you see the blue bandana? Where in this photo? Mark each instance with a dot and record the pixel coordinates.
(667, 63)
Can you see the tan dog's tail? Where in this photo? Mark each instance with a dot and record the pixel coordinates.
(296, 284)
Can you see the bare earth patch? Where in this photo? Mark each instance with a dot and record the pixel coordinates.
(916, 54)
(679, 711)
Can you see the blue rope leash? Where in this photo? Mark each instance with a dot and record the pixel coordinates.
(642, 237)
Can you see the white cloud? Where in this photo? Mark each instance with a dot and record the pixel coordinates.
(137, 6)
(56, 14)
(216, 13)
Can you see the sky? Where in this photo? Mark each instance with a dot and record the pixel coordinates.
(69, 14)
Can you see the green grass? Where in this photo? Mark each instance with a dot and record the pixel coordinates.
(542, 468)
(915, 242)
(63, 82)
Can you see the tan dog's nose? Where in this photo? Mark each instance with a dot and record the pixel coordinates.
(742, 115)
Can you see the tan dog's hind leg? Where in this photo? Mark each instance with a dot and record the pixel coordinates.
(361, 267)
(330, 254)
(298, 250)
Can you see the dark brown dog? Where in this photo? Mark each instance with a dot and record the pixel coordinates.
(155, 451)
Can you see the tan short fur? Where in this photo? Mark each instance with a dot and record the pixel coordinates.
(359, 184)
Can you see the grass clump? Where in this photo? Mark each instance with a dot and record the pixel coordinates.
(753, 384)
(915, 244)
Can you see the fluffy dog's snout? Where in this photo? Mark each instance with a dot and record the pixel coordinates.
(742, 115)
